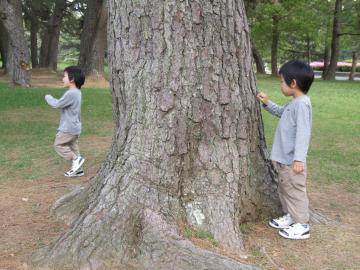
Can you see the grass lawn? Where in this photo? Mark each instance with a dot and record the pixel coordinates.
(31, 174)
(335, 145)
(28, 127)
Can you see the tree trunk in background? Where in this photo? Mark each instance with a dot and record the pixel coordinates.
(188, 144)
(308, 49)
(329, 72)
(250, 7)
(3, 45)
(326, 57)
(17, 58)
(260, 67)
(275, 45)
(353, 66)
(34, 41)
(50, 40)
(93, 39)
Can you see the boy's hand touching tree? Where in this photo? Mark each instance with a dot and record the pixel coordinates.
(263, 98)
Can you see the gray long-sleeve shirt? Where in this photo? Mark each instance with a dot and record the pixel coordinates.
(70, 103)
(292, 136)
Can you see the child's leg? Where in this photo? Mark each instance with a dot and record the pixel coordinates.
(74, 145)
(62, 145)
(282, 176)
(293, 191)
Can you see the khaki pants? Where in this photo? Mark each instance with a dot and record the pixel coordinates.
(292, 193)
(66, 145)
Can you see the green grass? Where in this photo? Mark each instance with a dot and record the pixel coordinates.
(200, 234)
(334, 150)
(28, 126)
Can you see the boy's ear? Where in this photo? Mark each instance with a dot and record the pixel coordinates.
(293, 83)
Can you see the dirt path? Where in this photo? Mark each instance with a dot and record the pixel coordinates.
(27, 224)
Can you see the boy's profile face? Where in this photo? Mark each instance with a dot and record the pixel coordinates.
(66, 81)
(287, 90)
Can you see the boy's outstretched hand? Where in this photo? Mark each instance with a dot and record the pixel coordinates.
(263, 98)
(298, 166)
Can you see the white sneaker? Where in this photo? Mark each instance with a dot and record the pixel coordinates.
(281, 222)
(76, 165)
(297, 231)
(79, 172)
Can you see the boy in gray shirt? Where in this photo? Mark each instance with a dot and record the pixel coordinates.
(290, 147)
(66, 141)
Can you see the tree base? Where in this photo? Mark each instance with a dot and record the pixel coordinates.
(159, 247)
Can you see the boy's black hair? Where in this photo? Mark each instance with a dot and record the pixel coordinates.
(75, 74)
(299, 71)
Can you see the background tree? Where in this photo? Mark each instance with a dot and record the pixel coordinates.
(250, 6)
(329, 72)
(3, 45)
(50, 36)
(188, 144)
(71, 29)
(17, 54)
(36, 15)
(350, 34)
(93, 39)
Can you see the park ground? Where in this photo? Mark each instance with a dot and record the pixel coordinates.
(31, 177)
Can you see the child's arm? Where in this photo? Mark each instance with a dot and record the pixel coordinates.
(63, 102)
(303, 135)
(270, 106)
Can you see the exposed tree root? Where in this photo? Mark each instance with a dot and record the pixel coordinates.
(318, 218)
(159, 247)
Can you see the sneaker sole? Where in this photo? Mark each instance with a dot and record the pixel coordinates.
(74, 175)
(301, 237)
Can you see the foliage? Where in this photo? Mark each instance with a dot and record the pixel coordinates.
(305, 27)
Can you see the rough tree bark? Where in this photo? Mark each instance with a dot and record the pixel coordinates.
(353, 66)
(329, 72)
(93, 39)
(188, 144)
(50, 38)
(17, 58)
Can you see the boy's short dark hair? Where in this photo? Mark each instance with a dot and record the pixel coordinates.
(75, 74)
(299, 71)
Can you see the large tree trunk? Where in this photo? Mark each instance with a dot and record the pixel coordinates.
(188, 143)
(353, 66)
(93, 39)
(50, 39)
(329, 72)
(275, 44)
(17, 54)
